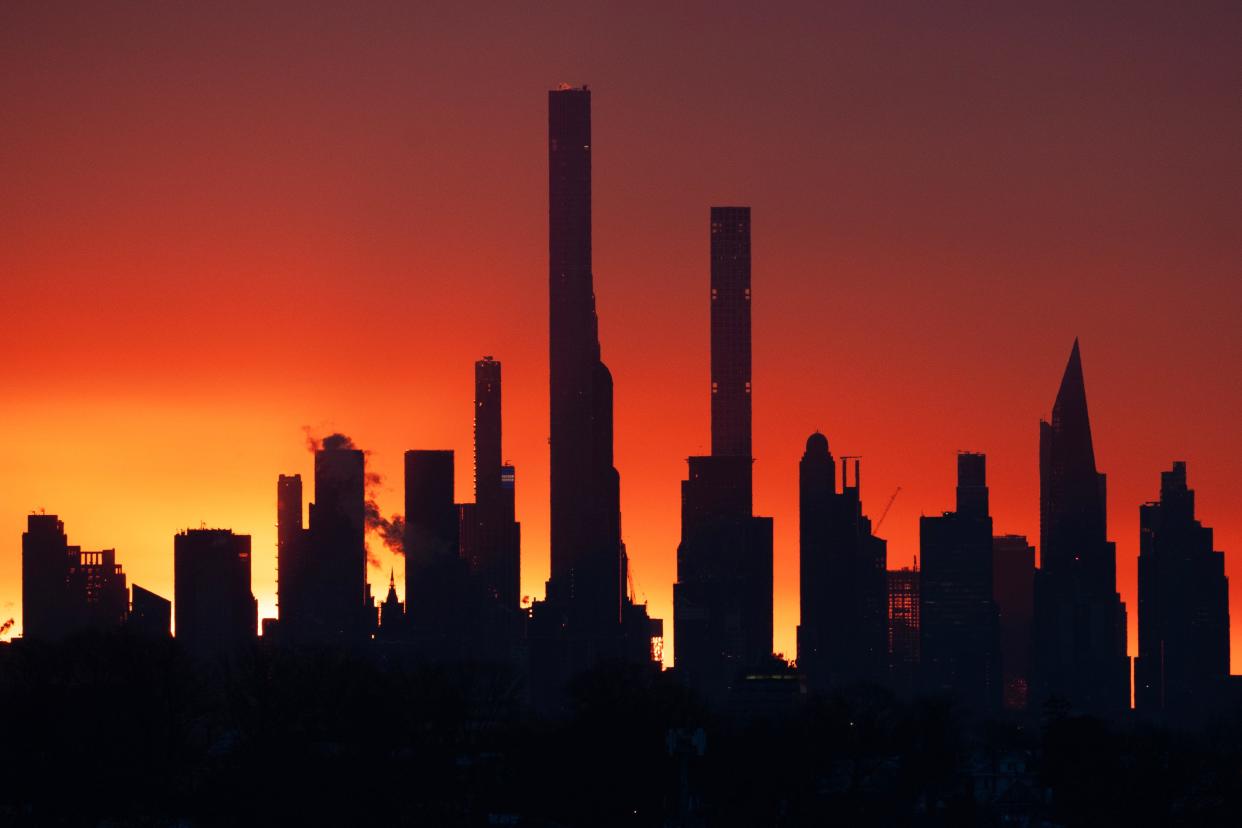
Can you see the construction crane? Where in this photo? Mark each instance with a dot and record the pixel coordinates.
(884, 514)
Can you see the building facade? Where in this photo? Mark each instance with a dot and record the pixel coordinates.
(1182, 667)
(1013, 589)
(959, 642)
(214, 609)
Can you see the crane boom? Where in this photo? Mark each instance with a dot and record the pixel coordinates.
(884, 514)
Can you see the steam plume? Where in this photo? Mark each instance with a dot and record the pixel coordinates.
(390, 530)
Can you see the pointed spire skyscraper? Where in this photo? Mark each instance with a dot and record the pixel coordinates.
(1080, 621)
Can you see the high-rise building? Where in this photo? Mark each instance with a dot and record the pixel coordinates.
(730, 315)
(435, 572)
(66, 590)
(292, 600)
(722, 601)
(150, 615)
(1080, 621)
(332, 570)
(495, 552)
(1013, 589)
(959, 644)
(215, 610)
(842, 637)
(903, 630)
(587, 615)
(45, 570)
(1183, 614)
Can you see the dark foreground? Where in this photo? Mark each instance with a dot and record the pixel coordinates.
(110, 730)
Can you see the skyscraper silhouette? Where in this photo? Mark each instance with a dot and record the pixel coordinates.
(958, 634)
(722, 601)
(332, 572)
(1080, 620)
(215, 610)
(586, 616)
(842, 637)
(1013, 589)
(45, 571)
(496, 557)
(1183, 658)
(66, 590)
(730, 312)
(292, 600)
(435, 573)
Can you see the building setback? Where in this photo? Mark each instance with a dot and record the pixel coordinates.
(843, 634)
(1080, 621)
(722, 601)
(215, 610)
(1183, 658)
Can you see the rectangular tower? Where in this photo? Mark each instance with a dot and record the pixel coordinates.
(334, 568)
(497, 535)
(214, 609)
(1013, 589)
(730, 252)
(958, 634)
(434, 569)
(290, 552)
(722, 601)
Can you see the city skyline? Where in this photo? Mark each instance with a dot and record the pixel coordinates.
(233, 442)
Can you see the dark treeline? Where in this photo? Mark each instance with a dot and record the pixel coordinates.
(118, 730)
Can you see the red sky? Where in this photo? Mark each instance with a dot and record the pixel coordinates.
(224, 222)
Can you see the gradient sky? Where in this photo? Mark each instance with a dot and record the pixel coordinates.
(224, 222)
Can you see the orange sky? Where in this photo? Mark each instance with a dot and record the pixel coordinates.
(222, 224)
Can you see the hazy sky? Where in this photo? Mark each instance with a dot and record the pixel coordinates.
(224, 222)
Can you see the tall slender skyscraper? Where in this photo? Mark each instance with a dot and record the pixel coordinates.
(586, 608)
(843, 634)
(722, 601)
(1080, 620)
(1183, 658)
(291, 597)
(730, 251)
(495, 558)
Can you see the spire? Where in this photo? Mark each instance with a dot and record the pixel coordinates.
(1069, 412)
(392, 579)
